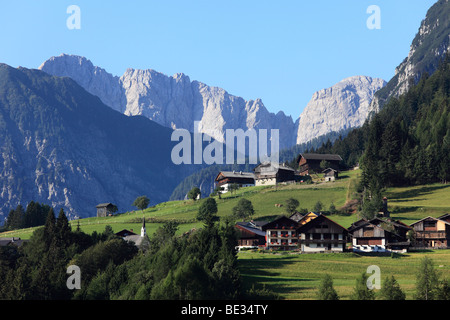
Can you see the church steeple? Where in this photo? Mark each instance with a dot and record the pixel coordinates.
(143, 229)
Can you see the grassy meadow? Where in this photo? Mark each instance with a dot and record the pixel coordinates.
(294, 275)
(297, 276)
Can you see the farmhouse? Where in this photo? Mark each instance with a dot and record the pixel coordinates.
(281, 233)
(251, 234)
(310, 162)
(267, 173)
(432, 232)
(105, 209)
(379, 235)
(322, 234)
(243, 179)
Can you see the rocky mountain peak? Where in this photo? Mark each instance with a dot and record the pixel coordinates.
(339, 107)
(427, 49)
(176, 101)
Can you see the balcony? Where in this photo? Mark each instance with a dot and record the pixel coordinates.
(283, 236)
(335, 241)
(431, 235)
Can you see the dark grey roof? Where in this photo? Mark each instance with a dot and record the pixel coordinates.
(318, 156)
(238, 174)
(101, 205)
(280, 166)
(296, 216)
(254, 227)
(11, 240)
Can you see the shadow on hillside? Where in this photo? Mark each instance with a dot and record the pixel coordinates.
(422, 191)
(259, 266)
(256, 271)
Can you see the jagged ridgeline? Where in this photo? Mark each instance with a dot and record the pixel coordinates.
(63, 147)
(427, 49)
(408, 141)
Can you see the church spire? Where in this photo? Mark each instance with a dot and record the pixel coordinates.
(143, 229)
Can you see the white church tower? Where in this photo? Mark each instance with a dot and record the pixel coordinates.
(143, 229)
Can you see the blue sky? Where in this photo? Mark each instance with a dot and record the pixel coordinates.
(279, 51)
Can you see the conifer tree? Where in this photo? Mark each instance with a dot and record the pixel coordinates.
(361, 291)
(427, 283)
(391, 290)
(326, 289)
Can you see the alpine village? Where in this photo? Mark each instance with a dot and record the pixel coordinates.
(310, 226)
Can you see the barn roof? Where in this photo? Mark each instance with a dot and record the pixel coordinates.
(318, 156)
(252, 227)
(429, 218)
(236, 174)
(379, 223)
(280, 166)
(102, 205)
(312, 223)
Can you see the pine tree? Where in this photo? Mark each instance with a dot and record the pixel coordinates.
(391, 290)
(361, 291)
(63, 229)
(427, 283)
(49, 228)
(326, 289)
(15, 218)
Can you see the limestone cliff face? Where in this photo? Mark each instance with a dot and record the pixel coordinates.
(342, 106)
(176, 102)
(429, 46)
(172, 101)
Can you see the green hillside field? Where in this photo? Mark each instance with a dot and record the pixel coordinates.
(263, 200)
(407, 204)
(293, 275)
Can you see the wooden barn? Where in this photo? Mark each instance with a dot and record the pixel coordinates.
(322, 234)
(310, 162)
(379, 235)
(267, 173)
(251, 234)
(432, 232)
(243, 179)
(105, 209)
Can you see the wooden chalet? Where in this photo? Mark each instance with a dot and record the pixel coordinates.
(432, 232)
(379, 235)
(322, 234)
(310, 162)
(281, 233)
(267, 173)
(243, 179)
(104, 209)
(251, 234)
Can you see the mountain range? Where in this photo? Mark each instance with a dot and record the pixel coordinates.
(73, 135)
(60, 145)
(176, 101)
